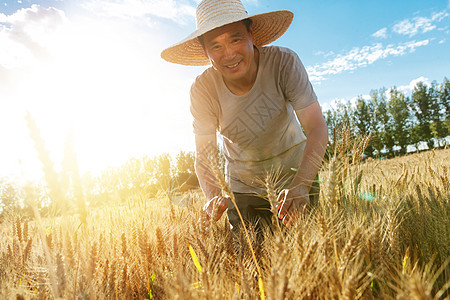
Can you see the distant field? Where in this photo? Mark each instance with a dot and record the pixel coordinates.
(381, 230)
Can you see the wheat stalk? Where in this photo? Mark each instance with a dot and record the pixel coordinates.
(226, 190)
(61, 274)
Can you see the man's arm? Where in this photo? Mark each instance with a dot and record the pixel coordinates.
(205, 155)
(296, 199)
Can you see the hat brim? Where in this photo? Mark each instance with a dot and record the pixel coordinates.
(266, 28)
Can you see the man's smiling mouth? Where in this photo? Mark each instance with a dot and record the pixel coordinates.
(233, 66)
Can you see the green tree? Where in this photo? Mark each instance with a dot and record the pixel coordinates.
(164, 171)
(375, 130)
(399, 111)
(331, 120)
(361, 116)
(185, 170)
(438, 129)
(421, 106)
(185, 162)
(344, 114)
(9, 198)
(444, 99)
(338, 118)
(445, 96)
(384, 121)
(150, 165)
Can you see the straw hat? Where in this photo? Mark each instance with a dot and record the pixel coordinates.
(211, 14)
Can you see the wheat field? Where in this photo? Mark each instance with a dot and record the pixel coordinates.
(380, 230)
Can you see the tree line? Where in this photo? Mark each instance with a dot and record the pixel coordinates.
(392, 119)
(139, 179)
(67, 191)
(395, 120)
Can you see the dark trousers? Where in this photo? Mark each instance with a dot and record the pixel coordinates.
(256, 210)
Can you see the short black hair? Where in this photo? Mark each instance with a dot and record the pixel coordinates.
(247, 22)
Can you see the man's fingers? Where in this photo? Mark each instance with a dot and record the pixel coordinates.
(284, 208)
(207, 209)
(219, 213)
(296, 208)
(221, 206)
(214, 208)
(283, 205)
(291, 215)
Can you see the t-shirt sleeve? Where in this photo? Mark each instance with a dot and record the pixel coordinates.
(203, 111)
(296, 85)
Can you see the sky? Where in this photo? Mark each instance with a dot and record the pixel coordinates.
(93, 68)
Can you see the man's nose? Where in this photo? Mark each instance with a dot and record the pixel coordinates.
(230, 52)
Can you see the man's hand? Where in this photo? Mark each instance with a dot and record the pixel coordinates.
(293, 202)
(219, 204)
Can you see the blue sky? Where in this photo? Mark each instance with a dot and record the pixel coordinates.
(93, 66)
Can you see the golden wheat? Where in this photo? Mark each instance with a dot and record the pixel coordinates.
(380, 231)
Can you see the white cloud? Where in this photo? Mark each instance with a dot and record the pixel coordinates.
(360, 57)
(407, 89)
(414, 26)
(418, 25)
(325, 54)
(27, 35)
(365, 97)
(382, 33)
(175, 10)
(406, 27)
(336, 102)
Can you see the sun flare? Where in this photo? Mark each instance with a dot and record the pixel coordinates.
(107, 83)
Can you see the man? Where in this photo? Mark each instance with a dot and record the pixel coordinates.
(259, 99)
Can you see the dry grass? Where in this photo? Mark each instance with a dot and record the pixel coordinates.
(380, 231)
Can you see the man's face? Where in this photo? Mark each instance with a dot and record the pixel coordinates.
(230, 49)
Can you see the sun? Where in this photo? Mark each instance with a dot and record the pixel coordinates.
(107, 83)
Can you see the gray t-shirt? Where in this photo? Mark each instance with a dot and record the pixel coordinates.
(260, 130)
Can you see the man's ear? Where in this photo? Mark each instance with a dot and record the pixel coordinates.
(250, 32)
(202, 42)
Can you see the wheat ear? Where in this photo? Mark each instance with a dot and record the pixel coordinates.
(226, 189)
